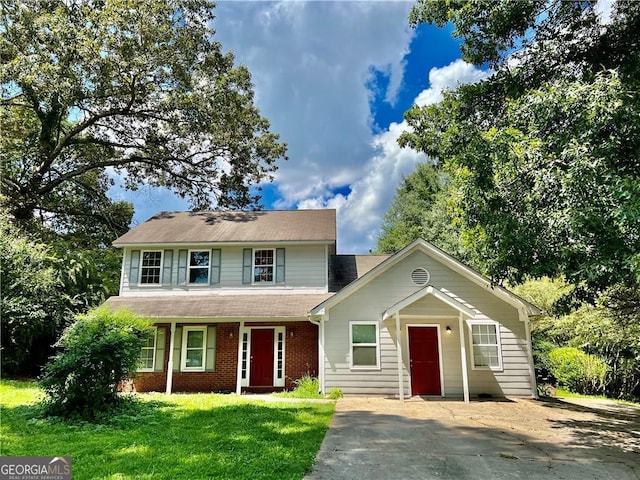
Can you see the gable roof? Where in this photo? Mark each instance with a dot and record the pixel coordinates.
(234, 226)
(440, 294)
(439, 255)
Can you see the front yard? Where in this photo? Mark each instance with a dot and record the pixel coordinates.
(172, 437)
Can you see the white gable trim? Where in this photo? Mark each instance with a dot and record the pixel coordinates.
(429, 290)
(439, 255)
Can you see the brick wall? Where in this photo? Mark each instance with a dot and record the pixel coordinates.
(301, 357)
(301, 349)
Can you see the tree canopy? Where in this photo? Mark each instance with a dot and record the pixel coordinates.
(424, 206)
(546, 151)
(95, 88)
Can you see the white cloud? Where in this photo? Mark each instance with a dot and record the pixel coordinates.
(449, 77)
(311, 63)
(360, 213)
(604, 9)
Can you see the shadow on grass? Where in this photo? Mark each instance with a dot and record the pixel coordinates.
(191, 438)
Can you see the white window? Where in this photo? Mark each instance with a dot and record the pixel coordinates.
(150, 269)
(365, 345)
(263, 265)
(199, 266)
(194, 344)
(485, 346)
(148, 353)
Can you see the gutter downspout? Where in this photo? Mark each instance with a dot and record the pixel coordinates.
(170, 362)
(321, 359)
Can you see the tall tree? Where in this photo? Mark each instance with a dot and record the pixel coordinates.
(31, 310)
(141, 89)
(424, 206)
(546, 150)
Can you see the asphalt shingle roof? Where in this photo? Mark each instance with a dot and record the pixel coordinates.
(260, 226)
(226, 306)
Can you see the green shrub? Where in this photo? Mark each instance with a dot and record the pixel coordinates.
(577, 370)
(98, 351)
(335, 393)
(305, 387)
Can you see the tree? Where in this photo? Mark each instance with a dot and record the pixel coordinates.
(424, 206)
(98, 351)
(93, 89)
(30, 310)
(547, 150)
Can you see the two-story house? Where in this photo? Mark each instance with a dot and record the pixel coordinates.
(250, 301)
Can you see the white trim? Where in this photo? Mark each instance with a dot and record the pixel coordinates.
(183, 350)
(169, 245)
(463, 358)
(440, 366)
(532, 370)
(279, 382)
(153, 350)
(428, 290)
(145, 285)
(122, 267)
(376, 325)
(470, 323)
(276, 382)
(399, 357)
(189, 267)
(170, 362)
(322, 365)
(253, 267)
(241, 330)
(440, 256)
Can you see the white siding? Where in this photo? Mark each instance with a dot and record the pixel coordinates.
(394, 285)
(305, 270)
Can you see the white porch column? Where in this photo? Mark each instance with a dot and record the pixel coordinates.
(463, 356)
(170, 362)
(532, 371)
(399, 353)
(321, 356)
(239, 369)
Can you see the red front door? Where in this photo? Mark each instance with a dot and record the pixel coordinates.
(424, 361)
(261, 357)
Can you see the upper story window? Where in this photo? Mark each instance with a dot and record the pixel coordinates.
(150, 268)
(199, 261)
(263, 265)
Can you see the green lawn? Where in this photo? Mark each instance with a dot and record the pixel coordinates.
(171, 437)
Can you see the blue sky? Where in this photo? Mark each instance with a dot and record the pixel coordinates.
(334, 79)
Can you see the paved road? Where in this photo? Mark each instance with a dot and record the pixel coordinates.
(377, 438)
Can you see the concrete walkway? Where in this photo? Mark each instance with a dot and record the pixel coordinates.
(377, 438)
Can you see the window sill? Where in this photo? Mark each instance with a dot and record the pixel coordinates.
(488, 369)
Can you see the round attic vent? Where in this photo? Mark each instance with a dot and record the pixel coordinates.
(420, 276)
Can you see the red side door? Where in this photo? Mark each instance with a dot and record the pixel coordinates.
(261, 357)
(424, 361)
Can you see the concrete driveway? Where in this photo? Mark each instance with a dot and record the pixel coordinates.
(378, 438)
